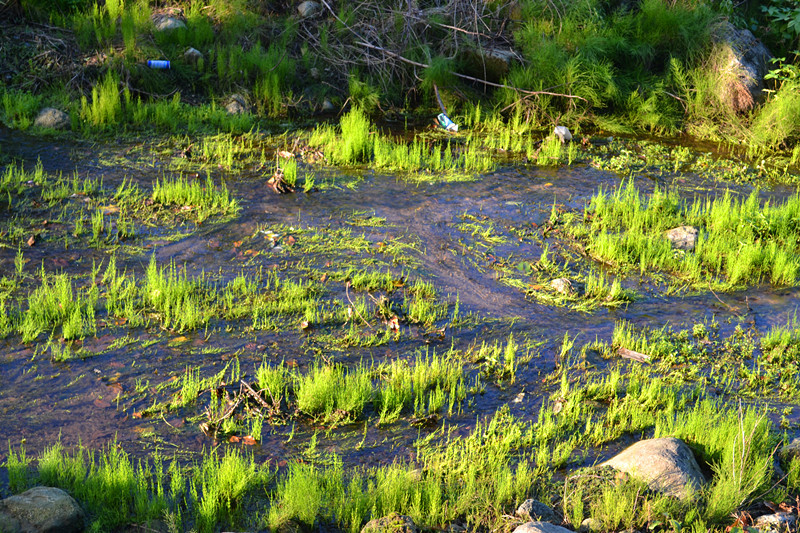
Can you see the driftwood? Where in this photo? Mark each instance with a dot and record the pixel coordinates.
(635, 356)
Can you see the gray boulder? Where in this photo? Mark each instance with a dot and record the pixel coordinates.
(536, 510)
(741, 61)
(563, 134)
(778, 522)
(50, 117)
(683, 237)
(541, 527)
(392, 523)
(44, 510)
(590, 525)
(667, 465)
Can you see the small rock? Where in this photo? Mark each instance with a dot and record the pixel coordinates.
(308, 8)
(590, 525)
(790, 451)
(50, 117)
(778, 522)
(327, 106)
(563, 133)
(392, 523)
(540, 527)
(192, 55)
(667, 465)
(314, 73)
(536, 510)
(563, 286)
(168, 23)
(45, 510)
(683, 237)
(237, 105)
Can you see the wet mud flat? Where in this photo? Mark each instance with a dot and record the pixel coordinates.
(289, 326)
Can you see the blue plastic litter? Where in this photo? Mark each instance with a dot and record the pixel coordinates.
(446, 123)
(157, 63)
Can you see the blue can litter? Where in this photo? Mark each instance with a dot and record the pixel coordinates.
(157, 63)
(446, 123)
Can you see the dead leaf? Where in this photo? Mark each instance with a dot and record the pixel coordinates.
(286, 155)
(137, 414)
(249, 441)
(305, 324)
(102, 404)
(31, 240)
(394, 324)
(323, 278)
(234, 438)
(289, 240)
(109, 209)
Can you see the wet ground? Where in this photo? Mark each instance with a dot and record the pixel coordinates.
(95, 399)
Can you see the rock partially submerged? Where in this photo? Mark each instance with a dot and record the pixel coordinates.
(562, 286)
(741, 61)
(667, 465)
(50, 117)
(41, 510)
(683, 237)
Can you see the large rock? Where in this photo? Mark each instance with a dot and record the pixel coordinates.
(541, 527)
(683, 237)
(667, 465)
(392, 523)
(536, 510)
(490, 64)
(741, 61)
(193, 55)
(44, 510)
(50, 117)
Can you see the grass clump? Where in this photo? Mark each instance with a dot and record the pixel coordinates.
(205, 199)
(740, 241)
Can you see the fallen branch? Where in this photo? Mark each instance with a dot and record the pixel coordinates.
(635, 356)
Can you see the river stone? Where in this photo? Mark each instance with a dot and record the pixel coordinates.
(667, 465)
(741, 62)
(45, 510)
(237, 104)
(683, 237)
(778, 522)
(168, 23)
(563, 134)
(327, 106)
(536, 510)
(562, 286)
(392, 523)
(309, 8)
(590, 525)
(50, 117)
(192, 55)
(540, 527)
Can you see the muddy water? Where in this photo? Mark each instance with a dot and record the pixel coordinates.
(84, 400)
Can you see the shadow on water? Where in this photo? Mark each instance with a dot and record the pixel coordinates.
(85, 400)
